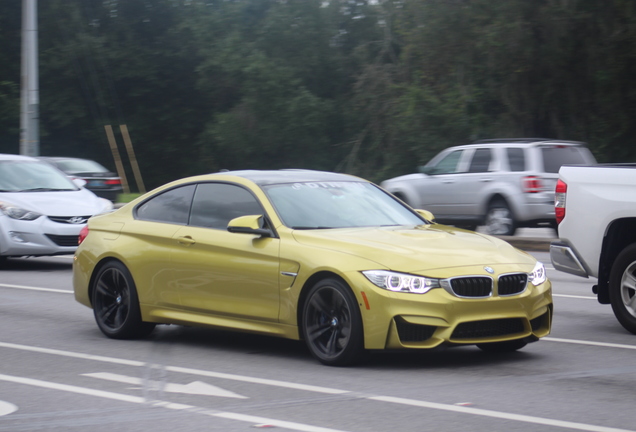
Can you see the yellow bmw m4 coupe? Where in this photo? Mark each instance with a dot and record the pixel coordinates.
(327, 258)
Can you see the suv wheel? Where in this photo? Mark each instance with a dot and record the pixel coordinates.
(499, 219)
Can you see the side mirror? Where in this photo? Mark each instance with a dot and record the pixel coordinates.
(426, 170)
(251, 224)
(426, 214)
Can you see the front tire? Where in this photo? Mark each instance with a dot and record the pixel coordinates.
(116, 305)
(332, 324)
(499, 219)
(622, 288)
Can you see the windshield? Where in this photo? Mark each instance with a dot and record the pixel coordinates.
(31, 176)
(321, 205)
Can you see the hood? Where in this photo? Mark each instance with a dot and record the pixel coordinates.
(61, 203)
(406, 177)
(416, 248)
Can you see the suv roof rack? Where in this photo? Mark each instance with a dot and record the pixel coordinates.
(522, 140)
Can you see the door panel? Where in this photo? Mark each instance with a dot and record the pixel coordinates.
(230, 274)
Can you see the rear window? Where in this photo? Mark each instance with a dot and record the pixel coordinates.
(555, 156)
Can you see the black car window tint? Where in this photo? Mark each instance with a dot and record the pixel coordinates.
(216, 204)
(172, 206)
(557, 155)
(516, 159)
(448, 164)
(481, 161)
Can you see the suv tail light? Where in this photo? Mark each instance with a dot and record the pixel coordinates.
(559, 200)
(113, 182)
(82, 235)
(532, 184)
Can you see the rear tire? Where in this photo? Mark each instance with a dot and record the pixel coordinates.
(116, 304)
(499, 219)
(622, 288)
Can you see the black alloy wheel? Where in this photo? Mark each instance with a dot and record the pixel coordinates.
(332, 324)
(622, 288)
(116, 305)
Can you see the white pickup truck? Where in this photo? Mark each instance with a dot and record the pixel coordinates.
(596, 215)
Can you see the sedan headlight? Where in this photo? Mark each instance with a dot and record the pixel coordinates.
(538, 276)
(401, 282)
(19, 213)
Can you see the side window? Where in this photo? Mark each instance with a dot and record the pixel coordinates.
(481, 161)
(516, 159)
(172, 206)
(448, 165)
(216, 204)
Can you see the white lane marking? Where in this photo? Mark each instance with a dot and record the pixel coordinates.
(7, 408)
(71, 388)
(574, 296)
(139, 400)
(254, 380)
(194, 388)
(278, 423)
(199, 372)
(24, 287)
(497, 414)
(72, 354)
(591, 343)
(412, 402)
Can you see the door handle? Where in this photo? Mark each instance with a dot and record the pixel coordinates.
(448, 181)
(186, 240)
(485, 179)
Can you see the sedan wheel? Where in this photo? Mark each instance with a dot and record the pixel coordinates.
(116, 305)
(500, 220)
(622, 288)
(332, 325)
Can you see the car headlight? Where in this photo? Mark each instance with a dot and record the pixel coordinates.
(19, 213)
(538, 276)
(401, 282)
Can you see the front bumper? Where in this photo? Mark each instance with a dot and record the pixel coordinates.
(564, 258)
(42, 236)
(402, 320)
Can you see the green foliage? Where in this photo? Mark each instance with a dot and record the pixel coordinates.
(373, 88)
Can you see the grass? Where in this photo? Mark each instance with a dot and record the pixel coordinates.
(127, 197)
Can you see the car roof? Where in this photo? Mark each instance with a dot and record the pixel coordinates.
(267, 177)
(528, 141)
(60, 158)
(6, 156)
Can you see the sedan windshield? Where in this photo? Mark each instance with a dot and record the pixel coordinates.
(28, 176)
(322, 205)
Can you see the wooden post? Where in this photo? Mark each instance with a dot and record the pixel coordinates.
(132, 158)
(118, 164)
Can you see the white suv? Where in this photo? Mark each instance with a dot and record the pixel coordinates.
(503, 184)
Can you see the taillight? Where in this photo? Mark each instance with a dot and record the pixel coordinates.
(559, 200)
(531, 184)
(113, 182)
(82, 235)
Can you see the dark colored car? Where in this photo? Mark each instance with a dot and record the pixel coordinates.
(99, 180)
